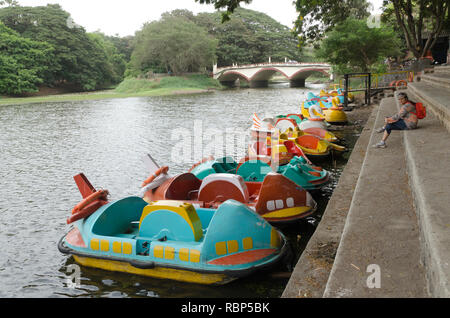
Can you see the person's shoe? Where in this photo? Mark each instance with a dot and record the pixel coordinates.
(380, 130)
(381, 144)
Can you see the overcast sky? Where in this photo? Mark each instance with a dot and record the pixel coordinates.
(125, 17)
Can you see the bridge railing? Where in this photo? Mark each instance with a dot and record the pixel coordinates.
(220, 69)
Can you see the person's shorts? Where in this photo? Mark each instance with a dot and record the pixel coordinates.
(398, 125)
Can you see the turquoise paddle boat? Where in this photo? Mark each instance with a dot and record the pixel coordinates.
(170, 239)
(324, 107)
(305, 175)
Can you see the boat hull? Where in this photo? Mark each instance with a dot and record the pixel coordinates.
(335, 116)
(156, 272)
(171, 239)
(165, 271)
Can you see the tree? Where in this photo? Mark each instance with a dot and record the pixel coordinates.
(22, 62)
(9, 3)
(230, 5)
(354, 47)
(315, 17)
(318, 16)
(249, 37)
(78, 59)
(114, 60)
(174, 44)
(416, 16)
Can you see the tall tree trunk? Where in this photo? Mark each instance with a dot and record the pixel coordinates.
(413, 27)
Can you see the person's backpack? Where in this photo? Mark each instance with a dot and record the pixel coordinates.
(421, 111)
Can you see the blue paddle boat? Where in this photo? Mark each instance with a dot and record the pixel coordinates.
(305, 175)
(170, 239)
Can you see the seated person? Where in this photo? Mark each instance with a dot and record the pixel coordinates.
(404, 120)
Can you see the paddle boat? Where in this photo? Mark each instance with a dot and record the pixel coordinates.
(316, 109)
(290, 121)
(170, 239)
(304, 174)
(305, 125)
(314, 120)
(318, 142)
(314, 147)
(311, 146)
(294, 130)
(285, 129)
(335, 114)
(337, 92)
(277, 198)
(261, 148)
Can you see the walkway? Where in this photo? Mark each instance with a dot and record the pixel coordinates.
(396, 219)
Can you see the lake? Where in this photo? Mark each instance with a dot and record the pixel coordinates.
(44, 145)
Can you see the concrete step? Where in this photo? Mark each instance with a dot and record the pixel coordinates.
(381, 233)
(312, 270)
(439, 79)
(441, 69)
(436, 99)
(428, 162)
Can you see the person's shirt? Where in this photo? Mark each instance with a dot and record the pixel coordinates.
(406, 113)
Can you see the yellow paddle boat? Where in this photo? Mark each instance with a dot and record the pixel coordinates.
(317, 109)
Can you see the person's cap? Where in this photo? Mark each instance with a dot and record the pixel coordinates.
(402, 95)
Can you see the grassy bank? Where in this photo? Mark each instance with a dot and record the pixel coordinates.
(131, 87)
(192, 82)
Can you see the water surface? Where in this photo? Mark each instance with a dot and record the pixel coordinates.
(44, 145)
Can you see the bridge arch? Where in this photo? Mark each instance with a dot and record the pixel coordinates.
(267, 73)
(230, 77)
(258, 75)
(307, 72)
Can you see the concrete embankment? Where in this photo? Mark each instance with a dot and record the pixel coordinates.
(385, 232)
(311, 273)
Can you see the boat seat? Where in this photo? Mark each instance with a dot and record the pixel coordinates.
(182, 186)
(220, 187)
(308, 141)
(225, 165)
(170, 220)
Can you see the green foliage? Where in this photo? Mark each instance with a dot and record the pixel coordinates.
(22, 62)
(249, 37)
(113, 59)
(230, 5)
(134, 85)
(354, 47)
(9, 3)
(415, 18)
(319, 16)
(173, 44)
(82, 60)
(412, 17)
(315, 16)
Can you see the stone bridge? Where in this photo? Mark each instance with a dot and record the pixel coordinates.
(258, 75)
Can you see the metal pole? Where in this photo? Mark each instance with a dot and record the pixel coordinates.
(345, 90)
(370, 84)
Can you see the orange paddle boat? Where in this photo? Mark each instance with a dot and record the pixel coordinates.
(276, 199)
